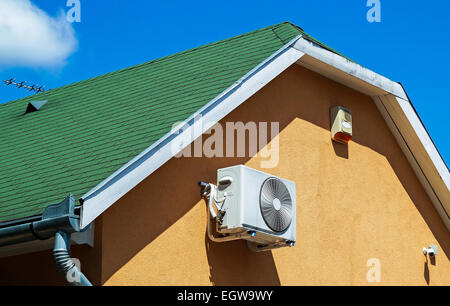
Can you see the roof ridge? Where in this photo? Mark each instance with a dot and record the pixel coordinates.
(316, 41)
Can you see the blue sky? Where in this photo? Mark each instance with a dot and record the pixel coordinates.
(411, 43)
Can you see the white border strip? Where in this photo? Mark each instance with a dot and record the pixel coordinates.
(350, 67)
(430, 168)
(428, 187)
(114, 187)
(126, 178)
(425, 139)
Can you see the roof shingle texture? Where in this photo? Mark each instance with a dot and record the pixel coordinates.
(88, 130)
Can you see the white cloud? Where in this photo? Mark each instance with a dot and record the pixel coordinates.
(29, 37)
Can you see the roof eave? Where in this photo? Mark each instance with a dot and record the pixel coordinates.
(404, 123)
(394, 105)
(127, 177)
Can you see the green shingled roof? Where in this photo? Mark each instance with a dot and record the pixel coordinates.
(88, 130)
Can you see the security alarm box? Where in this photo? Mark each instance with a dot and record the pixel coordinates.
(341, 124)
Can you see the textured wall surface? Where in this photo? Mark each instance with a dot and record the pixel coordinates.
(354, 203)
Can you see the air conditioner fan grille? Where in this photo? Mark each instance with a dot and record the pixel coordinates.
(276, 204)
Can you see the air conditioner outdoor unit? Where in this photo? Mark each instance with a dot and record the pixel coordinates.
(252, 205)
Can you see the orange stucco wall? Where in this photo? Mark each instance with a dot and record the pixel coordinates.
(354, 203)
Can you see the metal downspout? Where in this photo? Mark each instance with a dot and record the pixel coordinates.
(59, 221)
(64, 262)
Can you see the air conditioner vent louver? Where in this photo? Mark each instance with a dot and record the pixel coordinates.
(276, 204)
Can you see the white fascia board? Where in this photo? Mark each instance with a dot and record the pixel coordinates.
(393, 103)
(341, 64)
(429, 187)
(425, 140)
(315, 58)
(126, 178)
(436, 175)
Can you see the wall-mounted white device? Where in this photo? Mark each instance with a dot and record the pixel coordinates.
(252, 205)
(431, 251)
(341, 124)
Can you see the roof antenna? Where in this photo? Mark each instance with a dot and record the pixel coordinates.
(37, 89)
